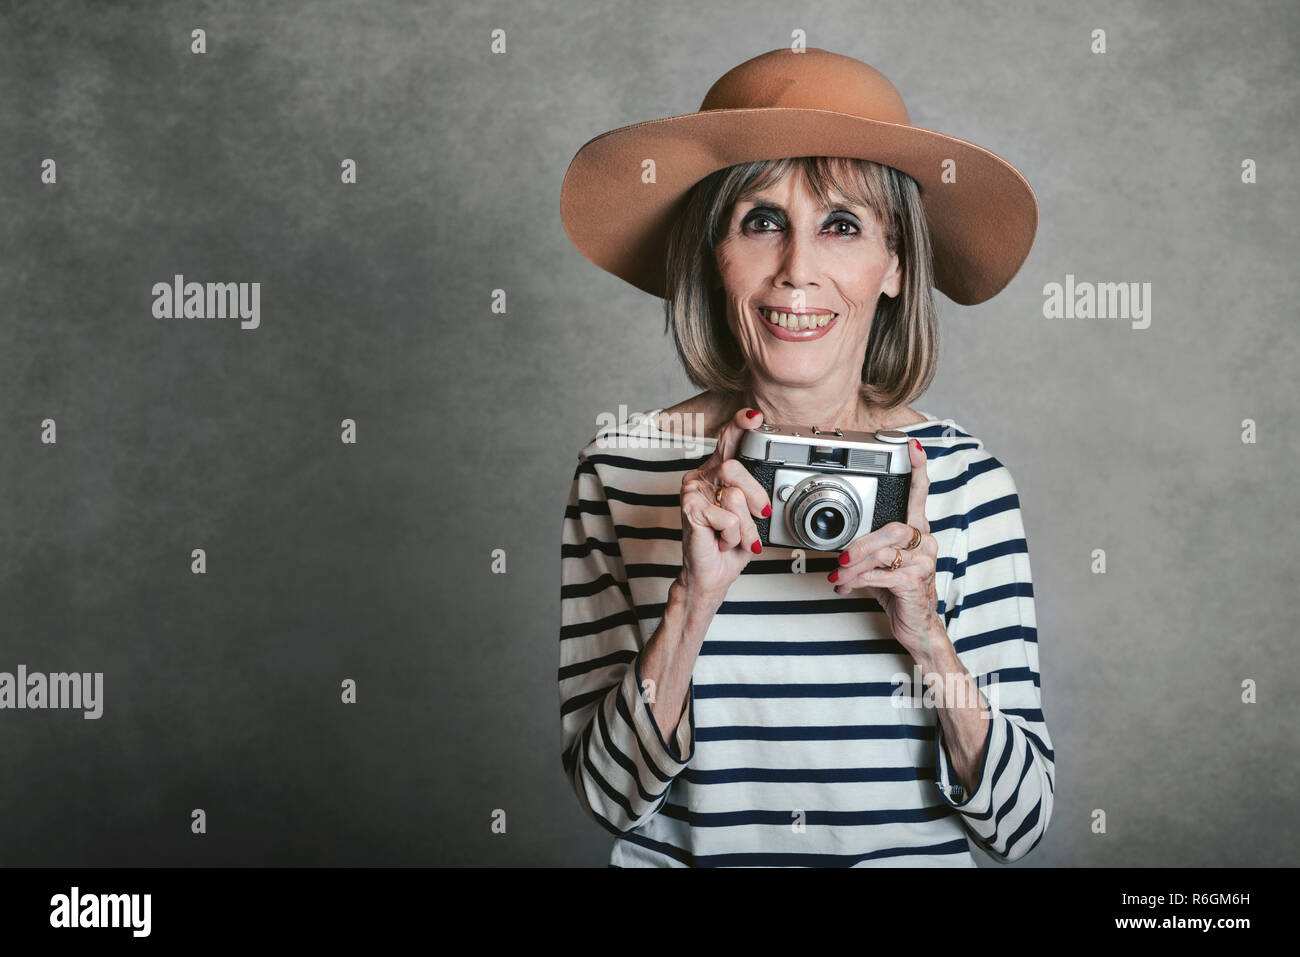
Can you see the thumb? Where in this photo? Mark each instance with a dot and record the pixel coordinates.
(745, 420)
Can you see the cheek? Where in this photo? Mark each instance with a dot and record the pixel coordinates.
(741, 277)
(864, 278)
(862, 292)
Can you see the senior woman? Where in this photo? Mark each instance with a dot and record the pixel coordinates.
(728, 704)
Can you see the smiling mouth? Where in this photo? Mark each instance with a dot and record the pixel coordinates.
(796, 326)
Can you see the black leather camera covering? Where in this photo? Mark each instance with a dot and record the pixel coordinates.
(891, 496)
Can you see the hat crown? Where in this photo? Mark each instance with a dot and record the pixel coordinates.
(812, 79)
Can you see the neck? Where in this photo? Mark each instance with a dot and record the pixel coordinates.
(845, 410)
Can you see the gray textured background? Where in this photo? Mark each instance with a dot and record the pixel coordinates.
(372, 561)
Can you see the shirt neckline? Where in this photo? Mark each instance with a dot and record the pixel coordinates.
(650, 424)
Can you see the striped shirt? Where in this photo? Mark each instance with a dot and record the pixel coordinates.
(792, 749)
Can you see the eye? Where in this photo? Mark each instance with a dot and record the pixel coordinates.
(844, 221)
(753, 218)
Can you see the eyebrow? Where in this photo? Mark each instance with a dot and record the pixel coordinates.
(760, 201)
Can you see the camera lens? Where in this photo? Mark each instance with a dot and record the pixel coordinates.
(824, 514)
(827, 523)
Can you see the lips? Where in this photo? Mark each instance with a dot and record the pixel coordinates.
(799, 335)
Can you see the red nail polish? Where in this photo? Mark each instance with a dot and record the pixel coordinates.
(844, 558)
(833, 577)
(750, 413)
(918, 444)
(757, 547)
(767, 510)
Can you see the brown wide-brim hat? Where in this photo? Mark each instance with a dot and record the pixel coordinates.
(786, 103)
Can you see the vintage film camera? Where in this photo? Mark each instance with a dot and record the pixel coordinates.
(827, 487)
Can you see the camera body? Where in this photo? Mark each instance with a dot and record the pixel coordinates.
(827, 487)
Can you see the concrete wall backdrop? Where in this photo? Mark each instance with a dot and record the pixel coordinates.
(371, 561)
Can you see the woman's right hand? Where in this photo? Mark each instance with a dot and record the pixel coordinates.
(719, 540)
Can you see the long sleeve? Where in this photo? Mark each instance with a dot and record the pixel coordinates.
(614, 754)
(990, 619)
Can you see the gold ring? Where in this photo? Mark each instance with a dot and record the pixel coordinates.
(898, 560)
(717, 495)
(916, 538)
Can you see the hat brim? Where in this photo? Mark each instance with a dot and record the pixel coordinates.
(982, 224)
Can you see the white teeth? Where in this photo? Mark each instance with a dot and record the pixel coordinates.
(790, 321)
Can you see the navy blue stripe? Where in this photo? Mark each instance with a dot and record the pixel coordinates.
(1038, 742)
(810, 606)
(994, 506)
(667, 741)
(935, 452)
(842, 732)
(1014, 798)
(957, 481)
(984, 510)
(623, 761)
(852, 646)
(587, 547)
(993, 637)
(594, 664)
(1003, 758)
(580, 701)
(610, 791)
(587, 589)
(641, 441)
(607, 824)
(1010, 546)
(1020, 589)
(770, 859)
(646, 465)
(860, 689)
(908, 815)
(644, 499)
(757, 566)
(938, 430)
(1043, 831)
(620, 705)
(943, 524)
(1014, 674)
(1029, 714)
(648, 532)
(779, 565)
(583, 628)
(807, 775)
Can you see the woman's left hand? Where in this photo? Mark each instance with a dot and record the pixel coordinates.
(907, 593)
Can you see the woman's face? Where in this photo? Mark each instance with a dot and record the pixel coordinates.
(802, 283)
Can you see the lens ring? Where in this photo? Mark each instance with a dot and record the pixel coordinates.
(810, 498)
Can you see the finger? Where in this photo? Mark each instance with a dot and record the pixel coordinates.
(694, 482)
(918, 558)
(736, 502)
(920, 563)
(738, 497)
(734, 474)
(863, 573)
(859, 551)
(729, 439)
(920, 487)
(704, 514)
(883, 579)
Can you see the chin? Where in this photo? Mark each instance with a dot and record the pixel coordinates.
(797, 376)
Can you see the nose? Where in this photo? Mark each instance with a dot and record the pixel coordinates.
(798, 264)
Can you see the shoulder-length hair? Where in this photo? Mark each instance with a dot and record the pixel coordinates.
(902, 348)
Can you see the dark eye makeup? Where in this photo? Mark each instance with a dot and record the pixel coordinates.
(767, 214)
